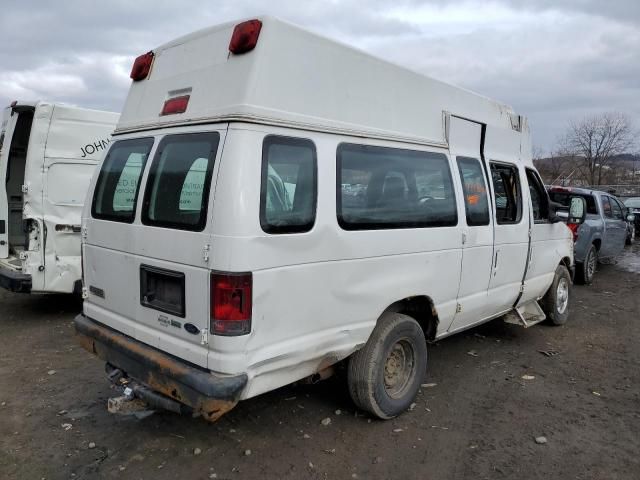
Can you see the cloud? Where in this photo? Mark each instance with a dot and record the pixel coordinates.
(552, 60)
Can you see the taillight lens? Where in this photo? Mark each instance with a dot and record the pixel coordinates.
(574, 230)
(141, 67)
(231, 299)
(245, 36)
(175, 105)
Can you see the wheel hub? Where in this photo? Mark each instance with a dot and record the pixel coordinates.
(398, 368)
(562, 295)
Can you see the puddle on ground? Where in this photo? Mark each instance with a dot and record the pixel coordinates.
(629, 259)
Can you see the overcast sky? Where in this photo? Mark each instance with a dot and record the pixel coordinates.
(552, 60)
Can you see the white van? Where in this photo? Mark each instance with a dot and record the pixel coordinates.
(299, 203)
(48, 153)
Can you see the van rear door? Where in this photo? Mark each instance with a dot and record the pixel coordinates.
(6, 132)
(147, 267)
(16, 128)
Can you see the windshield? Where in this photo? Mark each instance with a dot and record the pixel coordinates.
(632, 202)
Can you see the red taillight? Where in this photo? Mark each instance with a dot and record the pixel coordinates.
(231, 299)
(574, 230)
(245, 36)
(175, 105)
(141, 67)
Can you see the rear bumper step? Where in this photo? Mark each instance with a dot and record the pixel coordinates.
(202, 391)
(15, 281)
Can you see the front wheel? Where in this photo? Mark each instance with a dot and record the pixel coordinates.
(385, 375)
(631, 237)
(555, 303)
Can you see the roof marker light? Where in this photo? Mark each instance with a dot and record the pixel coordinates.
(141, 67)
(245, 36)
(175, 105)
(14, 103)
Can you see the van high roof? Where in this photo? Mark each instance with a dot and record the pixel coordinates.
(296, 78)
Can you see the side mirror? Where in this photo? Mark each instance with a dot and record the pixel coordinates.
(577, 210)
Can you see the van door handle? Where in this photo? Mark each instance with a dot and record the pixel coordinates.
(495, 262)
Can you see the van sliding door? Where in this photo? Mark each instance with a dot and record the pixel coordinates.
(511, 211)
(465, 141)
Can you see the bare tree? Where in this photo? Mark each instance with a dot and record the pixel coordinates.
(555, 166)
(597, 139)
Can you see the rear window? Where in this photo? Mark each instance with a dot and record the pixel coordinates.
(116, 191)
(564, 198)
(177, 191)
(380, 187)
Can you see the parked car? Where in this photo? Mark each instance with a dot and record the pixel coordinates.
(633, 204)
(603, 234)
(48, 153)
(287, 216)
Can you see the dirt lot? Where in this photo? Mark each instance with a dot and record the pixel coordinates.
(479, 420)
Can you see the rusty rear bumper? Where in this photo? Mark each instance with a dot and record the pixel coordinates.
(205, 392)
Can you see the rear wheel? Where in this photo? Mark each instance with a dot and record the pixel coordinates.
(385, 375)
(586, 270)
(555, 303)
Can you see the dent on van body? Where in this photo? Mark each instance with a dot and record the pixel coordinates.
(57, 173)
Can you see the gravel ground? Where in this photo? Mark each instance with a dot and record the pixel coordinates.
(488, 394)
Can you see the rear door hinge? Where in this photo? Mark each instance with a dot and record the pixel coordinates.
(24, 188)
(85, 292)
(464, 238)
(205, 252)
(85, 232)
(458, 308)
(204, 340)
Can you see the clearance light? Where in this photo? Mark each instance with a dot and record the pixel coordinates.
(231, 299)
(141, 67)
(175, 105)
(14, 103)
(245, 36)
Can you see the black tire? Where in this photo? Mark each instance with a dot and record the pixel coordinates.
(587, 269)
(554, 306)
(385, 375)
(631, 237)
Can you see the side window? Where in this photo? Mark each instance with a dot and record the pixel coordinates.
(539, 198)
(617, 211)
(177, 191)
(289, 185)
(116, 192)
(380, 187)
(475, 191)
(606, 207)
(507, 193)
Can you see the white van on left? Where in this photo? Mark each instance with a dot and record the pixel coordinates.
(48, 153)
